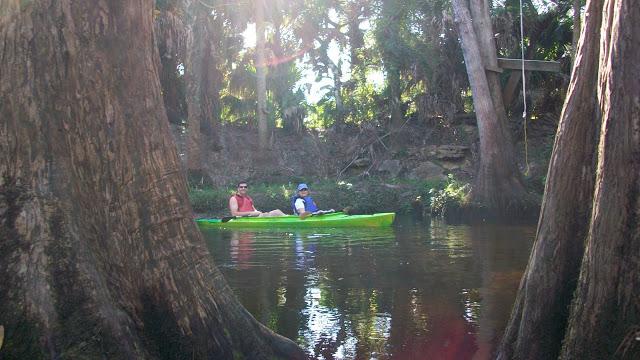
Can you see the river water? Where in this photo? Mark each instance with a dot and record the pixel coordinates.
(419, 290)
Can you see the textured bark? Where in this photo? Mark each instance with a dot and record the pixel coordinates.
(101, 258)
(261, 75)
(170, 35)
(541, 308)
(584, 201)
(201, 76)
(577, 7)
(487, 45)
(605, 315)
(498, 183)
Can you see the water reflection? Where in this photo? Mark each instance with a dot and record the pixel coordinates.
(415, 291)
(241, 249)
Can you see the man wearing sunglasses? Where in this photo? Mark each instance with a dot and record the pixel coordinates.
(241, 204)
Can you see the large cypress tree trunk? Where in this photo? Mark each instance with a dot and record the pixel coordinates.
(605, 314)
(541, 307)
(595, 316)
(498, 182)
(101, 258)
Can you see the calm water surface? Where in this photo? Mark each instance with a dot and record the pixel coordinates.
(418, 290)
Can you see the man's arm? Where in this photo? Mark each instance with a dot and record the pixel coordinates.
(233, 208)
(299, 205)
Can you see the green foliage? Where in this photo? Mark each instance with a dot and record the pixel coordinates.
(363, 197)
(378, 199)
(270, 197)
(454, 194)
(411, 45)
(265, 197)
(363, 105)
(164, 4)
(209, 200)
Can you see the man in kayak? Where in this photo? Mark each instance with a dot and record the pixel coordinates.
(302, 204)
(241, 204)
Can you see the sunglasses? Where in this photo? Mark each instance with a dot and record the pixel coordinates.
(304, 190)
(243, 187)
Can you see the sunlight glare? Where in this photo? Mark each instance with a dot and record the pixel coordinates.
(249, 36)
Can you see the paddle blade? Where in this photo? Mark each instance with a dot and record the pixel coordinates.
(322, 212)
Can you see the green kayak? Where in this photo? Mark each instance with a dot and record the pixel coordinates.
(327, 220)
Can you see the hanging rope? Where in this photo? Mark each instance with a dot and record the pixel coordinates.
(524, 93)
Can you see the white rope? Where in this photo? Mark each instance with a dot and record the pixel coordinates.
(524, 93)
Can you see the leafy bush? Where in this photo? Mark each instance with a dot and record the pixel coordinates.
(377, 198)
(454, 194)
(361, 198)
(271, 197)
(208, 200)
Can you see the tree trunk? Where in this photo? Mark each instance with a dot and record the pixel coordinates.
(261, 74)
(193, 69)
(211, 80)
(395, 86)
(541, 308)
(487, 45)
(605, 314)
(355, 35)
(201, 74)
(579, 300)
(485, 35)
(101, 257)
(355, 12)
(392, 14)
(498, 183)
(337, 92)
(577, 7)
(170, 34)
(197, 78)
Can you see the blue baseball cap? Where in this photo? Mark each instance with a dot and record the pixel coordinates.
(302, 186)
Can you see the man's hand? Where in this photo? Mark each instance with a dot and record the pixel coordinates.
(255, 213)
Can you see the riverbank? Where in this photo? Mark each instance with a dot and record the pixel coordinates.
(429, 173)
(446, 198)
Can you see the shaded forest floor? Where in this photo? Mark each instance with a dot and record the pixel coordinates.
(364, 168)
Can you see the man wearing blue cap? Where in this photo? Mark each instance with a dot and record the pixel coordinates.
(302, 204)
